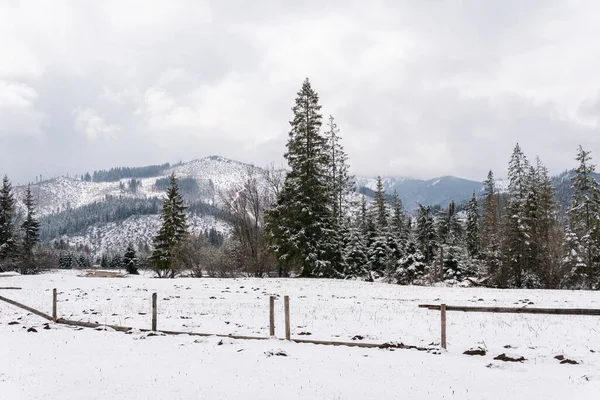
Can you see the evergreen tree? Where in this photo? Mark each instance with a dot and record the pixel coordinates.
(7, 217)
(412, 266)
(104, 264)
(399, 220)
(342, 183)
(425, 232)
(66, 260)
(490, 233)
(517, 226)
(355, 254)
(116, 262)
(130, 260)
(473, 240)
(381, 212)
(301, 225)
(584, 223)
(172, 232)
(83, 262)
(547, 229)
(30, 228)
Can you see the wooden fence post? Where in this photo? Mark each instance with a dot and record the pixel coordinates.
(286, 306)
(272, 316)
(54, 311)
(154, 312)
(443, 318)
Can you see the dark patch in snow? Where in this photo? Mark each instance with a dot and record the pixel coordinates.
(279, 353)
(504, 357)
(475, 352)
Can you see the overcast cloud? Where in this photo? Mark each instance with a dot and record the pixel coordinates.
(418, 88)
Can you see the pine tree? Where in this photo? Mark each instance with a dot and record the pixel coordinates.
(381, 212)
(341, 182)
(301, 225)
(398, 222)
(584, 223)
(172, 232)
(490, 234)
(450, 241)
(397, 232)
(355, 254)
(7, 216)
(104, 264)
(412, 266)
(425, 232)
(30, 228)
(473, 239)
(116, 262)
(130, 260)
(517, 227)
(547, 230)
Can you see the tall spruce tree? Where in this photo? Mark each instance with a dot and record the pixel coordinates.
(472, 228)
(380, 206)
(301, 225)
(383, 250)
(547, 230)
(7, 217)
(584, 223)
(398, 223)
(490, 233)
(342, 183)
(398, 230)
(425, 232)
(517, 227)
(30, 231)
(172, 232)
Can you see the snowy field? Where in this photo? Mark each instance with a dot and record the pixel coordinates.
(72, 363)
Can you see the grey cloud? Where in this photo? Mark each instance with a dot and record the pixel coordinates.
(418, 88)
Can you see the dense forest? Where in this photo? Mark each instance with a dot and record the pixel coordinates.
(116, 174)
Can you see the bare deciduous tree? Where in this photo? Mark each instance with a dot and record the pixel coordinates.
(246, 204)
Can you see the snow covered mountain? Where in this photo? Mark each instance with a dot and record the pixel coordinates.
(434, 191)
(106, 216)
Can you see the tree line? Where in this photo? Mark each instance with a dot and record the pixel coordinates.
(116, 174)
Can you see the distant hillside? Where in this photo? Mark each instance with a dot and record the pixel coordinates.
(434, 191)
(109, 209)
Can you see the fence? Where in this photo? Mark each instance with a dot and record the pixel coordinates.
(507, 310)
(154, 326)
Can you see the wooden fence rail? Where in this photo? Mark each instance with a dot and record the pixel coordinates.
(26, 308)
(508, 310)
(517, 310)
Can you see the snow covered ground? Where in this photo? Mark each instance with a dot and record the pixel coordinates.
(66, 363)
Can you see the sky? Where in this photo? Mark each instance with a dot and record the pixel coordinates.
(418, 88)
